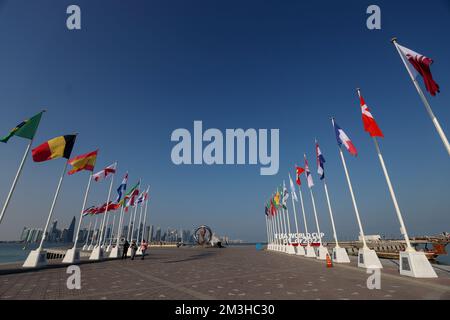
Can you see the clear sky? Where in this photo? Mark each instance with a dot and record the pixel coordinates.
(140, 69)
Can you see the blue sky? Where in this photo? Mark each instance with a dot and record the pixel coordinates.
(139, 70)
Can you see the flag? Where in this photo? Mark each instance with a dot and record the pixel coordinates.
(83, 162)
(343, 139)
(291, 183)
(422, 65)
(320, 162)
(55, 148)
(132, 198)
(273, 211)
(308, 174)
(141, 198)
(267, 209)
(122, 188)
(26, 129)
(103, 174)
(276, 199)
(298, 172)
(285, 197)
(369, 122)
(89, 210)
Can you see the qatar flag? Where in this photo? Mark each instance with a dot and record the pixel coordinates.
(422, 65)
(343, 139)
(369, 122)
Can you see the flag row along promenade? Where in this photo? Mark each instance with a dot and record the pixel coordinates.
(412, 263)
(127, 200)
(281, 237)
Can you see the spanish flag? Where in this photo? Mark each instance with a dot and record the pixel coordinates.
(55, 148)
(83, 162)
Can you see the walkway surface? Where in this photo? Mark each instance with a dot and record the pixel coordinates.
(228, 273)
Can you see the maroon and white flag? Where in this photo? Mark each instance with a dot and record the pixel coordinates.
(422, 65)
(103, 174)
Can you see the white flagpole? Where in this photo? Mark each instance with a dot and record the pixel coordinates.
(106, 228)
(82, 211)
(134, 221)
(287, 214)
(139, 224)
(89, 231)
(145, 216)
(331, 213)
(304, 215)
(16, 178)
(295, 211)
(267, 231)
(111, 236)
(53, 206)
(129, 223)
(424, 100)
(315, 216)
(119, 231)
(107, 205)
(93, 231)
(355, 207)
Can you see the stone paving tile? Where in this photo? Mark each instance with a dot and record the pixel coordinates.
(232, 273)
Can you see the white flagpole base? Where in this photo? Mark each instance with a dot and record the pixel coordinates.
(322, 253)
(36, 258)
(285, 248)
(108, 249)
(129, 252)
(97, 253)
(115, 252)
(310, 252)
(290, 249)
(415, 264)
(139, 252)
(299, 250)
(367, 258)
(340, 255)
(90, 247)
(85, 247)
(72, 256)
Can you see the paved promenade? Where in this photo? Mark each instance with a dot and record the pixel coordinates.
(229, 273)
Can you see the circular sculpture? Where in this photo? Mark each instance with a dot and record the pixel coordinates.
(203, 235)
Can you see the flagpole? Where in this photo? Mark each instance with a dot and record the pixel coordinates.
(93, 231)
(82, 211)
(119, 231)
(87, 236)
(145, 215)
(355, 207)
(331, 213)
(304, 215)
(295, 211)
(134, 221)
(424, 100)
(16, 178)
(103, 240)
(287, 214)
(139, 224)
(53, 206)
(107, 204)
(111, 236)
(315, 216)
(394, 199)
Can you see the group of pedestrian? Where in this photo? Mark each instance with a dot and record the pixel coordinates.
(133, 247)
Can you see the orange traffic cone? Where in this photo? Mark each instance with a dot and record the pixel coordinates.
(329, 262)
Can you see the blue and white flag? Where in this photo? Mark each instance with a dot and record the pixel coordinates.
(141, 198)
(122, 187)
(320, 162)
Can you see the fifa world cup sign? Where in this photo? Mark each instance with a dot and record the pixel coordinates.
(300, 238)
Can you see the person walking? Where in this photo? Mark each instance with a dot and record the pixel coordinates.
(133, 248)
(144, 246)
(126, 245)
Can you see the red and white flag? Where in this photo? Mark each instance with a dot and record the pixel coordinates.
(422, 65)
(369, 122)
(103, 174)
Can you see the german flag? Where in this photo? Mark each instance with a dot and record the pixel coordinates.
(83, 162)
(55, 148)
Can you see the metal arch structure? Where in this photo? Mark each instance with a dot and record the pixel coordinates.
(203, 235)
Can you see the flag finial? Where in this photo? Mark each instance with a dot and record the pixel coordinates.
(394, 39)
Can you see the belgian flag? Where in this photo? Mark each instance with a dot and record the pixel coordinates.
(26, 129)
(55, 148)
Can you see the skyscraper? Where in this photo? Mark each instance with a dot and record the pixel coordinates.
(70, 231)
